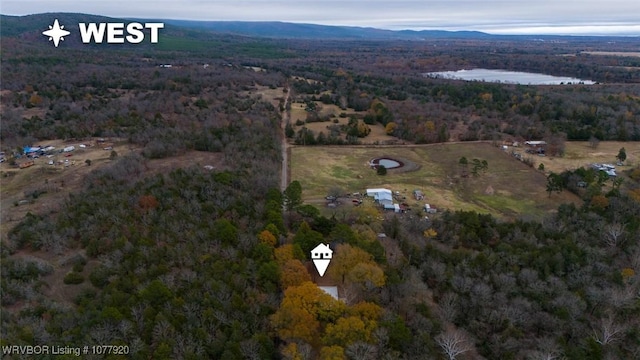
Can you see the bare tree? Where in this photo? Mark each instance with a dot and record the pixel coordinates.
(635, 260)
(622, 297)
(250, 349)
(448, 306)
(137, 312)
(544, 355)
(351, 294)
(548, 350)
(614, 234)
(305, 350)
(453, 343)
(361, 351)
(608, 330)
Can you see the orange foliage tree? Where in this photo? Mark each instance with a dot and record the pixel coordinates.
(293, 273)
(355, 265)
(266, 237)
(148, 202)
(302, 311)
(332, 353)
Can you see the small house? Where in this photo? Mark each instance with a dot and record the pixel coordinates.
(331, 290)
(418, 195)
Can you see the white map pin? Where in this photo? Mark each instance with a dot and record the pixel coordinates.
(321, 256)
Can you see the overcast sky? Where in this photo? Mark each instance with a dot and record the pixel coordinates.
(567, 17)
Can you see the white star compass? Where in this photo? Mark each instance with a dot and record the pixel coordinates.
(56, 33)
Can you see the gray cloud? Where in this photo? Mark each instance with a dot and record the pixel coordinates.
(496, 16)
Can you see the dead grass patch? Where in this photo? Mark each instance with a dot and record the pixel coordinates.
(580, 154)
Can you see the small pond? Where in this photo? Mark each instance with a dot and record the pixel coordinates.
(386, 162)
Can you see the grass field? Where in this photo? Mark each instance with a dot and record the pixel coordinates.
(517, 190)
(272, 95)
(298, 112)
(579, 154)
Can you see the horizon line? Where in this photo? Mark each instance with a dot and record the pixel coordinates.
(508, 29)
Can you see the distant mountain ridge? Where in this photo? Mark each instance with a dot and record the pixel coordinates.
(277, 29)
(31, 25)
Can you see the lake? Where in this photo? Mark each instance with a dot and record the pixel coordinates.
(507, 77)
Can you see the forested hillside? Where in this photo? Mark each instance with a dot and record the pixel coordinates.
(212, 262)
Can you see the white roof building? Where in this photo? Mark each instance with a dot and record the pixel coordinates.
(373, 192)
(331, 290)
(383, 197)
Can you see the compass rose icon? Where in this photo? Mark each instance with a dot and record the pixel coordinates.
(56, 33)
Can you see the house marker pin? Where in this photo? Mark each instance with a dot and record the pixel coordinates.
(321, 256)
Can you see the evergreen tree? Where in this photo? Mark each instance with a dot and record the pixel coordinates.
(293, 195)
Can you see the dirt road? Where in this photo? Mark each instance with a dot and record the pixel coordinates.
(284, 176)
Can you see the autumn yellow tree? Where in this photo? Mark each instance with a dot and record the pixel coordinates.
(366, 310)
(287, 252)
(35, 100)
(293, 273)
(346, 331)
(390, 128)
(368, 274)
(334, 352)
(430, 233)
(359, 326)
(366, 213)
(294, 323)
(296, 351)
(266, 237)
(355, 265)
(302, 311)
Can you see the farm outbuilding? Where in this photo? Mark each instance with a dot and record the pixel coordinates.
(30, 150)
(374, 192)
(430, 209)
(393, 207)
(381, 196)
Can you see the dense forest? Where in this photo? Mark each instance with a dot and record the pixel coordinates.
(197, 263)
